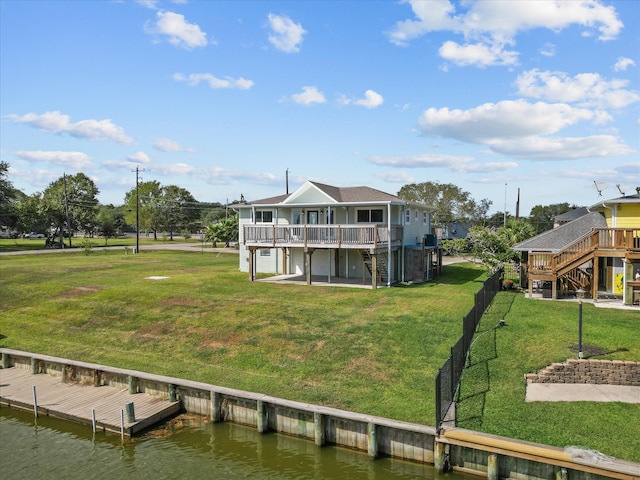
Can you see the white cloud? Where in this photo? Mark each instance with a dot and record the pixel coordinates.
(56, 122)
(587, 89)
(174, 169)
(480, 54)
(487, 167)
(150, 4)
(395, 177)
(286, 35)
(455, 163)
(167, 145)
(623, 63)
(548, 50)
(420, 161)
(488, 25)
(309, 96)
(371, 99)
(194, 79)
(180, 32)
(75, 160)
(567, 148)
(503, 120)
(139, 157)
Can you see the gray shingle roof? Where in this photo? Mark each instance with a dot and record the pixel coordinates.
(339, 194)
(556, 239)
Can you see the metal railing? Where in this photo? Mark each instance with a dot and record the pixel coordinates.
(449, 375)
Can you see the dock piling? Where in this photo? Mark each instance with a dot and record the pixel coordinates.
(35, 402)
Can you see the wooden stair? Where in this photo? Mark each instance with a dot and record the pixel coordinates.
(382, 273)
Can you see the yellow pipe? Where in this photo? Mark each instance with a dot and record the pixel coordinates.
(505, 444)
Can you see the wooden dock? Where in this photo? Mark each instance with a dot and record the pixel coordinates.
(77, 403)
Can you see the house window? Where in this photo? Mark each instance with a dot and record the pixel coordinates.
(370, 216)
(297, 217)
(407, 216)
(425, 218)
(264, 216)
(265, 252)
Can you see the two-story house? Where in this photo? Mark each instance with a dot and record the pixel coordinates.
(596, 254)
(327, 232)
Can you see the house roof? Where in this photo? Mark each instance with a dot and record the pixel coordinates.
(558, 238)
(635, 198)
(571, 215)
(352, 195)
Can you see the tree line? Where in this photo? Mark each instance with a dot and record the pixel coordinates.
(69, 205)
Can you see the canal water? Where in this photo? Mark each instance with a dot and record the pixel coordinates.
(187, 447)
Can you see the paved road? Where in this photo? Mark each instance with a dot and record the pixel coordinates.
(194, 247)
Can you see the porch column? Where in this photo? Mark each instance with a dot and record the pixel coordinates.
(595, 278)
(374, 271)
(252, 254)
(284, 260)
(554, 288)
(307, 261)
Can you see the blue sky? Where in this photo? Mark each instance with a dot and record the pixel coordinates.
(222, 97)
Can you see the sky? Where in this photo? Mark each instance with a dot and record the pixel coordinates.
(231, 98)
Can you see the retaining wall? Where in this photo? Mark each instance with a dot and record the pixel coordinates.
(462, 450)
(596, 372)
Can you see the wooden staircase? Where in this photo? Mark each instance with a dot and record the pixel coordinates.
(565, 266)
(382, 272)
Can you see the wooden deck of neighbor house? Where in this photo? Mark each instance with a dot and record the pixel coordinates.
(563, 268)
(77, 402)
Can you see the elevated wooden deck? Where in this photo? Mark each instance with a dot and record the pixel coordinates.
(75, 402)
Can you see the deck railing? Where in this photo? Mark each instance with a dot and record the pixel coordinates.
(609, 239)
(332, 236)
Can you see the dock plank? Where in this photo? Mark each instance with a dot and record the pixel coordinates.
(76, 402)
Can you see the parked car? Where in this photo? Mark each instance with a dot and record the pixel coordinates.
(35, 235)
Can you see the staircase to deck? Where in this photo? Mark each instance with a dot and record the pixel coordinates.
(382, 273)
(565, 265)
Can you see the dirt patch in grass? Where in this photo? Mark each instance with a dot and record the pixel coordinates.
(180, 302)
(80, 291)
(366, 366)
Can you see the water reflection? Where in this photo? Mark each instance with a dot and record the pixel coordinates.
(186, 447)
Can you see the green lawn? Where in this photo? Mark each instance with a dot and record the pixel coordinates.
(374, 352)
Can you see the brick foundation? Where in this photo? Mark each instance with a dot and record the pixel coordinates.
(597, 372)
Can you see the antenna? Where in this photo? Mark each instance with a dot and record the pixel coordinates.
(600, 187)
(621, 189)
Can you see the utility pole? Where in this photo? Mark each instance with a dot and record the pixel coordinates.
(138, 210)
(66, 212)
(505, 205)
(287, 180)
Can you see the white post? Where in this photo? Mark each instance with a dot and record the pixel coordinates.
(35, 402)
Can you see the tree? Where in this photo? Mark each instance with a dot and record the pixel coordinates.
(70, 203)
(150, 195)
(30, 212)
(110, 222)
(224, 231)
(451, 204)
(8, 213)
(542, 217)
(178, 209)
(493, 246)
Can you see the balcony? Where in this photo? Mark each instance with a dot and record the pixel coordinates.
(361, 236)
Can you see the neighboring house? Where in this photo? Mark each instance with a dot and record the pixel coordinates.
(325, 231)
(596, 254)
(569, 216)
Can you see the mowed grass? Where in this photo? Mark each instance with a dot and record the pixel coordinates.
(374, 352)
(538, 333)
(370, 351)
